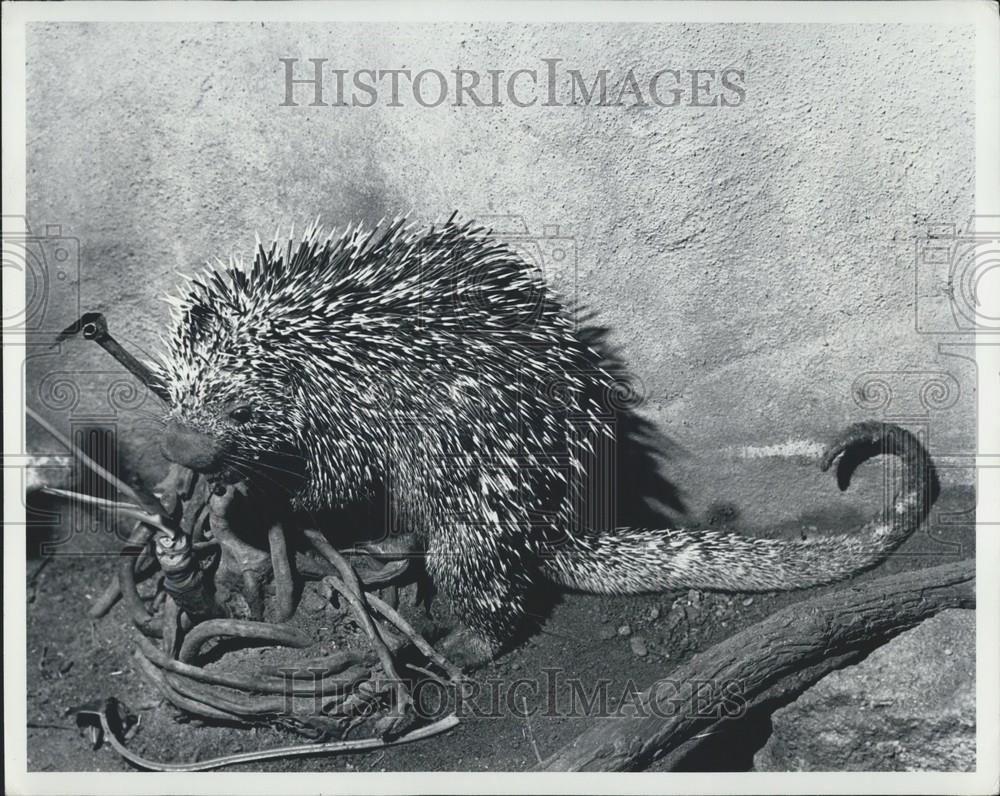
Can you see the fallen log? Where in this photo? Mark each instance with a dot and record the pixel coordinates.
(770, 662)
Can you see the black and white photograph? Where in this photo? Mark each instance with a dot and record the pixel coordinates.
(443, 398)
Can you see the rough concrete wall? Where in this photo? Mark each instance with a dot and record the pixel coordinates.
(750, 262)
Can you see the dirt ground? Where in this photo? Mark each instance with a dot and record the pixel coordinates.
(625, 642)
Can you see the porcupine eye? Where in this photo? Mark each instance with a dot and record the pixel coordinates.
(241, 415)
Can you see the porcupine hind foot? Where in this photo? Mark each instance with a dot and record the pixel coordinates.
(487, 587)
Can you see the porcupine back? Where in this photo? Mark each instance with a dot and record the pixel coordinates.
(434, 360)
(437, 364)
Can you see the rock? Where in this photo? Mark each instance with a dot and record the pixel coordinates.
(608, 633)
(654, 613)
(748, 601)
(312, 602)
(638, 645)
(624, 630)
(909, 706)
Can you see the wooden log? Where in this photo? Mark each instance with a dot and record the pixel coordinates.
(776, 658)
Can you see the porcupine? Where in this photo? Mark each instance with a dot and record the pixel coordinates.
(435, 363)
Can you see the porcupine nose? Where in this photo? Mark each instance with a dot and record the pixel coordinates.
(183, 445)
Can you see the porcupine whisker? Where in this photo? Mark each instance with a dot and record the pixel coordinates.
(140, 410)
(250, 474)
(148, 414)
(269, 453)
(256, 475)
(147, 427)
(153, 422)
(255, 463)
(236, 465)
(233, 467)
(249, 470)
(277, 473)
(150, 419)
(149, 422)
(273, 452)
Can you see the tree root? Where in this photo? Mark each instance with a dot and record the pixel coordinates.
(284, 585)
(334, 694)
(141, 618)
(144, 566)
(350, 589)
(262, 631)
(346, 678)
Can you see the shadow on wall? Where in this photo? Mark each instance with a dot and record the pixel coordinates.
(644, 496)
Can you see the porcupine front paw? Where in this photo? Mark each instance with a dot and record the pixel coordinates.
(466, 649)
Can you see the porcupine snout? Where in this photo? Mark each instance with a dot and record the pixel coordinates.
(194, 449)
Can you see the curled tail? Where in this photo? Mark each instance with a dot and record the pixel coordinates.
(633, 561)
